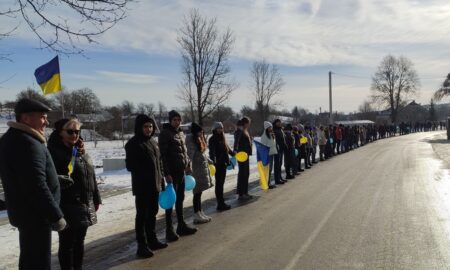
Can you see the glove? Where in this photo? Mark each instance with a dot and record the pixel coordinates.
(59, 225)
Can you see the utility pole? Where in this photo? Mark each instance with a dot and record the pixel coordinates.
(331, 98)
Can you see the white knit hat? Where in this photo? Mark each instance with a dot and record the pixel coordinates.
(267, 125)
(216, 125)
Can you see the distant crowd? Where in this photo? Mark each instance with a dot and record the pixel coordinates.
(52, 185)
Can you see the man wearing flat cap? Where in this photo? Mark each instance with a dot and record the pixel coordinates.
(30, 182)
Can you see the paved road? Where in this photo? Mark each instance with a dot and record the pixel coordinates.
(383, 206)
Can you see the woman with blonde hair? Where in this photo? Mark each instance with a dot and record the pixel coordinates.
(80, 197)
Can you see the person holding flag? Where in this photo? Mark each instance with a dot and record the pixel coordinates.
(268, 139)
(80, 197)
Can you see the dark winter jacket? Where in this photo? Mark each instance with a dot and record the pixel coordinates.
(289, 154)
(242, 142)
(143, 160)
(29, 178)
(77, 201)
(173, 150)
(219, 151)
(280, 138)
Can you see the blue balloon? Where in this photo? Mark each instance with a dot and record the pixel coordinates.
(189, 182)
(233, 161)
(296, 152)
(168, 197)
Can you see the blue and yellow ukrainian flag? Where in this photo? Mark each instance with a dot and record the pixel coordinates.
(72, 160)
(262, 157)
(48, 77)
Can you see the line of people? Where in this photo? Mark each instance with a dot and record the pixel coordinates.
(54, 187)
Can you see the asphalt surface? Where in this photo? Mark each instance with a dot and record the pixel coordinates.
(382, 206)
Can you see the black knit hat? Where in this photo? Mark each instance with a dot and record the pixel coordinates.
(195, 128)
(26, 105)
(173, 114)
(288, 127)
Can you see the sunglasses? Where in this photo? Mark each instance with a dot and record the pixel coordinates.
(73, 131)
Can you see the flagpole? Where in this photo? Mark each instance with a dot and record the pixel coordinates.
(62, 102)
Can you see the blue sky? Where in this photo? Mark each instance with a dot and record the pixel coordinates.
(138, 60)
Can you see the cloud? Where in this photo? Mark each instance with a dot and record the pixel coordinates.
(121, 77)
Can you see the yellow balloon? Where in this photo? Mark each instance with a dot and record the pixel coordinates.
(212, 169)
(303, 140)
(241, 157)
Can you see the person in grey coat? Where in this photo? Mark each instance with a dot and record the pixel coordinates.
(31, 185)
(196, 149)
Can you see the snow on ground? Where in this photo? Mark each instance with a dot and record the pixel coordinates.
(116, 215)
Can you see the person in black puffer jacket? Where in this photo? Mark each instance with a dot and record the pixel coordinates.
(144, 162)
(176, 163)
(79, 201)
(218, 153)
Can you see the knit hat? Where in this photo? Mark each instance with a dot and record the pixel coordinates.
(267, 125)
(217, 125)
(288, 127)
(195, 128)
(173, 114)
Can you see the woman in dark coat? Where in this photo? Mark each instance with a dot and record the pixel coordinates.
(80, 198)
(219, 152)
(144, 162)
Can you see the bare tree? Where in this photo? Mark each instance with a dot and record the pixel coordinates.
(366, 111)
(127, 107)
(366, 107)
(145, 108)
(206, 84)
(395, 81)
(444, 90)
(35, 95)
(82, 20)
(267, 82)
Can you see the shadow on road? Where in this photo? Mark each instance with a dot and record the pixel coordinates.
(120, 248)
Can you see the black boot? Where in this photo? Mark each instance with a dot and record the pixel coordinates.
(155, 244)
(183, 229)
(143, 251)
(223, 207)
(171, 236)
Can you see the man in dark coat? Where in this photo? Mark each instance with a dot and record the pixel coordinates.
(281, 148)
(144, 162)
(289, 155)
(30, 181)
(176, 163)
